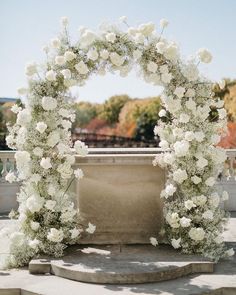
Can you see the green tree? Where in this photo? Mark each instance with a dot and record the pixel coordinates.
(112, 107)
(85, 112)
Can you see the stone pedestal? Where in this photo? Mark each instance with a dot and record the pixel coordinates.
(120, 194)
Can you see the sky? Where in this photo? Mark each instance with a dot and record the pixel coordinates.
(27, 25)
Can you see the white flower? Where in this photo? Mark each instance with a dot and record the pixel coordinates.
(92, 54)
(168, 158)
(34, 225)
(170, 189)
(162, 113)
(78, 173)
(50, 204)
(53, 138)
(81, 148)
(208, 215)
(132, 31)
(87, 38)
(34, 243)
(34, 203)
(204, 55)
(190, 71)
(164, 144)
(173, 219)
(38, 152)
(189, 136)
(65, 170)
(64, 113)
(16, 109)
(189, 204)
(191, 105)
(74, 233)
(51, 75)
(23, 117)
(123, 19)
(51, 190)
(22, 91)
(45, 163)
(210, 181)
(137, 54)
(91, 228)
(190, 92)
(176, 243)
(180, 175)
(199, 136)
(230, 252)
(41, 127)
(146, 29)
(56, 43)
(116, 59)
(22, 158)
(214, 200)
(222, 113)
(152, 67)
(66, 73)
(64, 21)
(110, 37)
(55, 235)
(161, 47)
(163, 23)
(49, 103)
(181, 148)
(82, 68)
(59, 60)
(17, 238)
(219, 239)
(200, 200)
(184, 118)
(35, 178)
(222, 84)
(197, 233)
(69, 55)
(201, 163)
(153, 241)
(166, 78)
(10, 177)
(179, 91)
(225, 196)
(104, 54)
(185, 222)
(172, 52)
(31, 69)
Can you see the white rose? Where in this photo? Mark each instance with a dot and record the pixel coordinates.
(31, 69)
(201, 163)
(222, 113)
(41, 127)
(230, 252)
(49, 103)
(199, 136)
(139, 38)
(82, 68)
(200, 200)
(197, 233)
(153, 241)
(222, 84)
(185, 222)
(53, 138)
(51, 190)
(92, 54)
(22, 158)
(173, 219)
(170, 190)
(189, 204)
(38, 152)
(179, 91)
(16, 109)
(191, 105)
(55, 235)
(111, 37)
(91, 228)
(164, 144)
(219, 239)
(146, 29)
(190, 92)
(45, 163)
(189, 136)
(210, 181)
(168, 158)
(166, 78)
(59, 60)
(81, 148)
(214, 200)
(50, 204)
(204, 55)
(152, 67)
(34, 244)
(34, 203)
(34, 225)
(66, 73)
(74, 233)
(23, 117)
(190, 71)
(87, 38)
(208, 215)
(104, 54)
(56, 43)
(137, 54)
(65, 170)
(172, 52)
(116, 59)
(176, 243)
(162, 113)
(69, 55)
(180, 175)
(78, 173)
(163, 23)
(132, 31)
(10, 177)
(181, 148)
(184, 118)
(161, 47)
(51, 75)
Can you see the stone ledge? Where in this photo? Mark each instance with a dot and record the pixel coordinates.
(135, 264)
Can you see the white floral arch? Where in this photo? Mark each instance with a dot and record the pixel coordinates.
(189, 123)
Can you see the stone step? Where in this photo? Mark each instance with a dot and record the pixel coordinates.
(126, 264)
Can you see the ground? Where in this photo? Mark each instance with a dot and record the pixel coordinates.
(224, 276)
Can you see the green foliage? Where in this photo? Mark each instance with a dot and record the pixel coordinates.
(85, 112)
(112, 107)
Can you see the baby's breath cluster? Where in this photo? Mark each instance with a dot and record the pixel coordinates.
(189, 123)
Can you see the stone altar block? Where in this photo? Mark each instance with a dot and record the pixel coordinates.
(120, 194)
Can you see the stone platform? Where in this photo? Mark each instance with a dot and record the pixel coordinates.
(127, 264)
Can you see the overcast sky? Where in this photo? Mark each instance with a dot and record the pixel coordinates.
(27, 25)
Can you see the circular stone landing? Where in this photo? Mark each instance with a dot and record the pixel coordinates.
(128, 264)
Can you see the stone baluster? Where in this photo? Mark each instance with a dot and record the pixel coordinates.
(7, 163)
